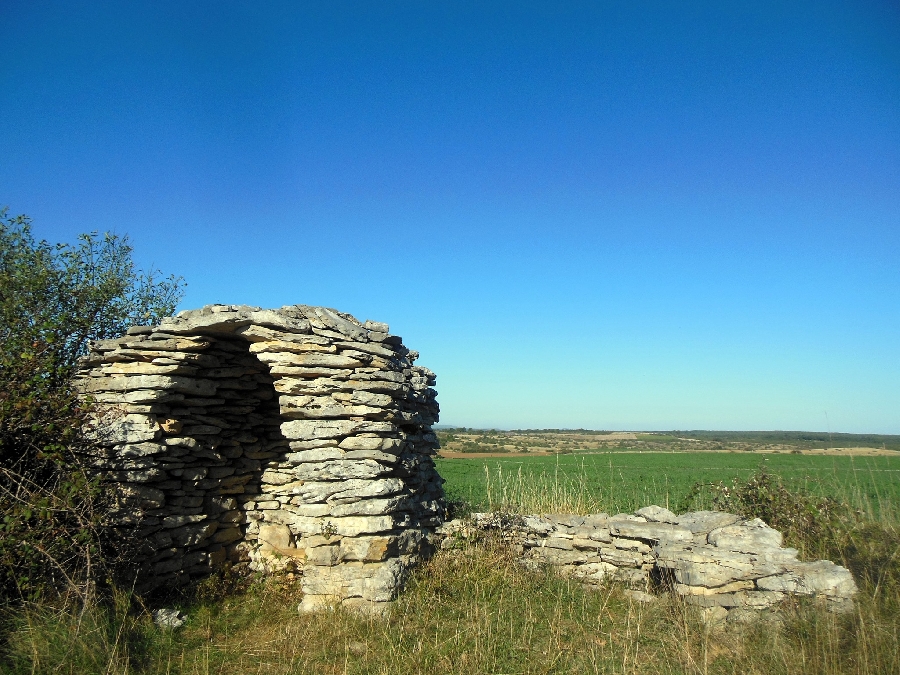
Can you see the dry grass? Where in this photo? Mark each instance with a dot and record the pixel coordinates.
(476, 610)
(566, 491)
(468, 611)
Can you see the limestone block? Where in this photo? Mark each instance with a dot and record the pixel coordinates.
(822, 577)
(562, 543)
(183, 344)
(339, 469)
(134, 450)
(321, 454)
(621, 557)
(312, 444)
(377, 326)
(369, 348)
(375, 455)
(183, 519)
(217, 558)
(227, 535)
(368, 549)
(657, 514)
(170, 426)
(109, 428)
(324, 407)
(324, 555)
(140, 496)
(143, 368)
(651, 531)
(135, 397)
(387, 580)
(274, 537)
(348, 491)
(256, 333)
(227, 321)
(364, 398)
(312, 510)
(537, 525)
(752, 537)
(313, 429)
(310, 360)
(381, 384)
(150, 475)
(168, 383)
(311, 604)
(291, 347)
(349, 526)
(362, 443)
(191, 535)
(370, 507)
(745, 585)
(705, 521)
(626, 518)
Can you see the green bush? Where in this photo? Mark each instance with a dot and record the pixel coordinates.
(820, 527)
(54, 299)
(800, 516)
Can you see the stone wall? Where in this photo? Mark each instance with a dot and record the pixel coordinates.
(712, 559)
(269, 438)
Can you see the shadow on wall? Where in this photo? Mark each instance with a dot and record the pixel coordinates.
(187, 450)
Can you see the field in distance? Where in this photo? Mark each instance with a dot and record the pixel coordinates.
(621, 482)
(461, 442)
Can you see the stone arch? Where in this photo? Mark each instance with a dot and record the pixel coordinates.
(270, 437)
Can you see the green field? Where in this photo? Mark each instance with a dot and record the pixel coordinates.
(618, 481)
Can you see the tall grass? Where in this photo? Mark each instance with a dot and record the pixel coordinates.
(476, 610)
(581, 492)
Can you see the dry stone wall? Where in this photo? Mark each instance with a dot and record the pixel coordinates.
(298, 437)
(712, 559)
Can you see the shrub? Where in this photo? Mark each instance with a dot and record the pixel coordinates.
(799, 515)
(54, 299)
(821, 527)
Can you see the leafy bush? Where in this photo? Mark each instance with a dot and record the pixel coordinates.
(801, 517)
(821, 527)
(54, 299)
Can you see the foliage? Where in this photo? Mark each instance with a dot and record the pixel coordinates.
(54, 299)
(799, 515)
(821, 527)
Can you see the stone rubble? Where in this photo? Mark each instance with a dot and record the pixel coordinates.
(297, 437)
(710, 558)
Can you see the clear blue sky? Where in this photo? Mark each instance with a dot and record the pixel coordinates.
(603, 215)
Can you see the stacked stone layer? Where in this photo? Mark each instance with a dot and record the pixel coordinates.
(711, 558)
(298, 436)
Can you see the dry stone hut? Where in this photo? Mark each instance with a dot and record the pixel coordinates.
(266, 438)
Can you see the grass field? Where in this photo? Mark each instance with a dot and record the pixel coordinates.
(620, 482)
(475, 610)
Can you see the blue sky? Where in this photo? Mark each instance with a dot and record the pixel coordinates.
(600, 215)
